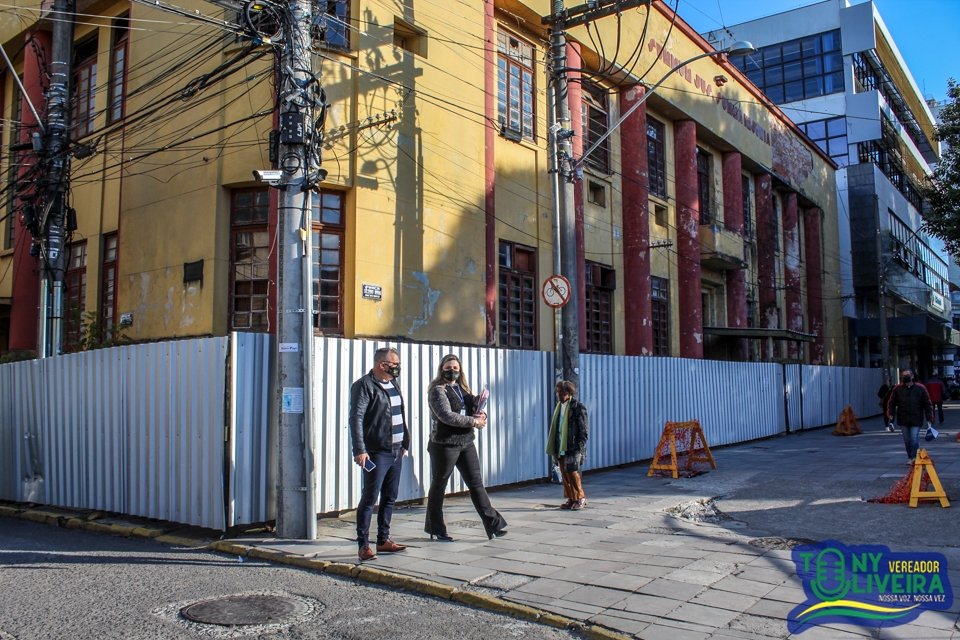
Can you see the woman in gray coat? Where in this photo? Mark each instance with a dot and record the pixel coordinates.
(452, 408)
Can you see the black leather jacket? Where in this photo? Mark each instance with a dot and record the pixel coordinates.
(910, 406)
(371, 418)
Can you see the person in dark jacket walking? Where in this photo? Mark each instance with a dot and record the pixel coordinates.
(378, 430)
(567, 443)
(910, 407)
(455, 424)
(938, 393)
(884, 395)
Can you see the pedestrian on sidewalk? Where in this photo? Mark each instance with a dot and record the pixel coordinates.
(567, 443)
(884, 394)
(910, 407)
(378, 430)
(453, 410)
(938, 393)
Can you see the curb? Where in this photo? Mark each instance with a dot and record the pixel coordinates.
(72, 522)
(423, 586)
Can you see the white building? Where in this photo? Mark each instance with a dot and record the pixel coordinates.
(834, 69)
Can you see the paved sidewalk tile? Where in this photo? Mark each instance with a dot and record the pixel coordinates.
(671, 589)
(648, 604)
(597, 596)
(700, 614)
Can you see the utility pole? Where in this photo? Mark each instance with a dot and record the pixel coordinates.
(882, 292)
(299, 93)
(554, 141)
(56, 166)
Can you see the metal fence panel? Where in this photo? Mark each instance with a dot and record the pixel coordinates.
(252, 446)
(829, 390)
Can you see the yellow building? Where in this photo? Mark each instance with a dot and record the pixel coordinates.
(436, 222)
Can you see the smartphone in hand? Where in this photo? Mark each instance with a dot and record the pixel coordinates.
(368, 465)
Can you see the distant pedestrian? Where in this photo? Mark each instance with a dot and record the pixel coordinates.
(910, 407)
(884, 395)
(938, 393)
(567, 443)
(378, 429)
(455, 423)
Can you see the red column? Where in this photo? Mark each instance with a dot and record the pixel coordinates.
(24, 316)
(811, 236)
(766, 260)
(688, 239)
(733, 220)
(636, 226)
(791, 268)
(575, 95)
(489, 167)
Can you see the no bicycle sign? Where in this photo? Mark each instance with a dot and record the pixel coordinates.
(556, 291)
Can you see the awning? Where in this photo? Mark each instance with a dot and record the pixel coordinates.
(758, 333)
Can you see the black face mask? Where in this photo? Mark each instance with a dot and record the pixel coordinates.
(393, 370)
(906, 379)
(451, 376)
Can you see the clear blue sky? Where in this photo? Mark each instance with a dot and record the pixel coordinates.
(927, 32)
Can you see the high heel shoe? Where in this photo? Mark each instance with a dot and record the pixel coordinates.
(441, 538)
(498, 534)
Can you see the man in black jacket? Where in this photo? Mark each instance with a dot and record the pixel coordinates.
(910, 406)
(378, 429)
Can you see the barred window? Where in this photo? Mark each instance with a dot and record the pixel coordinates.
(660, 316)
(601, 282)
(75, 293)
(108, 284)
(518, 296)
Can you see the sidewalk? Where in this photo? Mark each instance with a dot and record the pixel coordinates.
(625, 563)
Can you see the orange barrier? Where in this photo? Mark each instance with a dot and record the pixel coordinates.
(847, 425)
(917, 492)
(682, 445)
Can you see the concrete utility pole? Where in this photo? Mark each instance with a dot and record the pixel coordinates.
(554, 141)
(296, 504)
(57, 163)
(882, 293)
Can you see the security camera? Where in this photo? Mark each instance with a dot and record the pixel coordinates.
(268, 175)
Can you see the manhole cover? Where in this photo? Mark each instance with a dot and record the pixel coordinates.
(232, 611)
(780, 544)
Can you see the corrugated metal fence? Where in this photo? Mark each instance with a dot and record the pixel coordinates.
(136, 429)
(140, 429)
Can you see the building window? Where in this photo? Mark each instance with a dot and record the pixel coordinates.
(597, 194)
(595, 124)
(328, 240)
(775, 223)
(705, 186)
(601, 281)
(108, 284)
(798, 69)
(75, 292)
(831, 136)
(12, 212)
(118, 71)
(84, 88)
(515, 87)
(250, 259)
(660, 294)
(334, 24)
(518, 296)
(656, 160)
(747, 220)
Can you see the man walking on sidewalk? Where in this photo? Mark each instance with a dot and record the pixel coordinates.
(910, 407)
(378, 429)
(938, 393)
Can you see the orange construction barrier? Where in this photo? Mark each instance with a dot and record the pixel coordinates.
(682, 445)
(847, 425)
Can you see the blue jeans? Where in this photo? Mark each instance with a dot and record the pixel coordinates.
(911, 440)
(383, 481)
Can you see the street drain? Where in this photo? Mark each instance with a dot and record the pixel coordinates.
(234, 611)
(780, 544)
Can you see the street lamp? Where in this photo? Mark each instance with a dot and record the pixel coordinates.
(738, 48)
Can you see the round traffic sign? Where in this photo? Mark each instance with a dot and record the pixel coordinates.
(556, 291)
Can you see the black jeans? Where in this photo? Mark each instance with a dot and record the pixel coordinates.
(443, 458)
(383, 481)
(939, 407)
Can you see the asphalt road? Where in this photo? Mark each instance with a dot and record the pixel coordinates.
(58, 583)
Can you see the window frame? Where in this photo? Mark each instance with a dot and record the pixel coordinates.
(705, 187)
(318, 228)
(745, 192)
(83, 109)
(16, 117)
(504, 338)
(595, 109)
(660, 315)
(600, 285)
(251, 226)
(74, 317)
(337, 15)
(656, 158)
(108, 284)
(117, 91)
(842, 159)
(512, 56)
